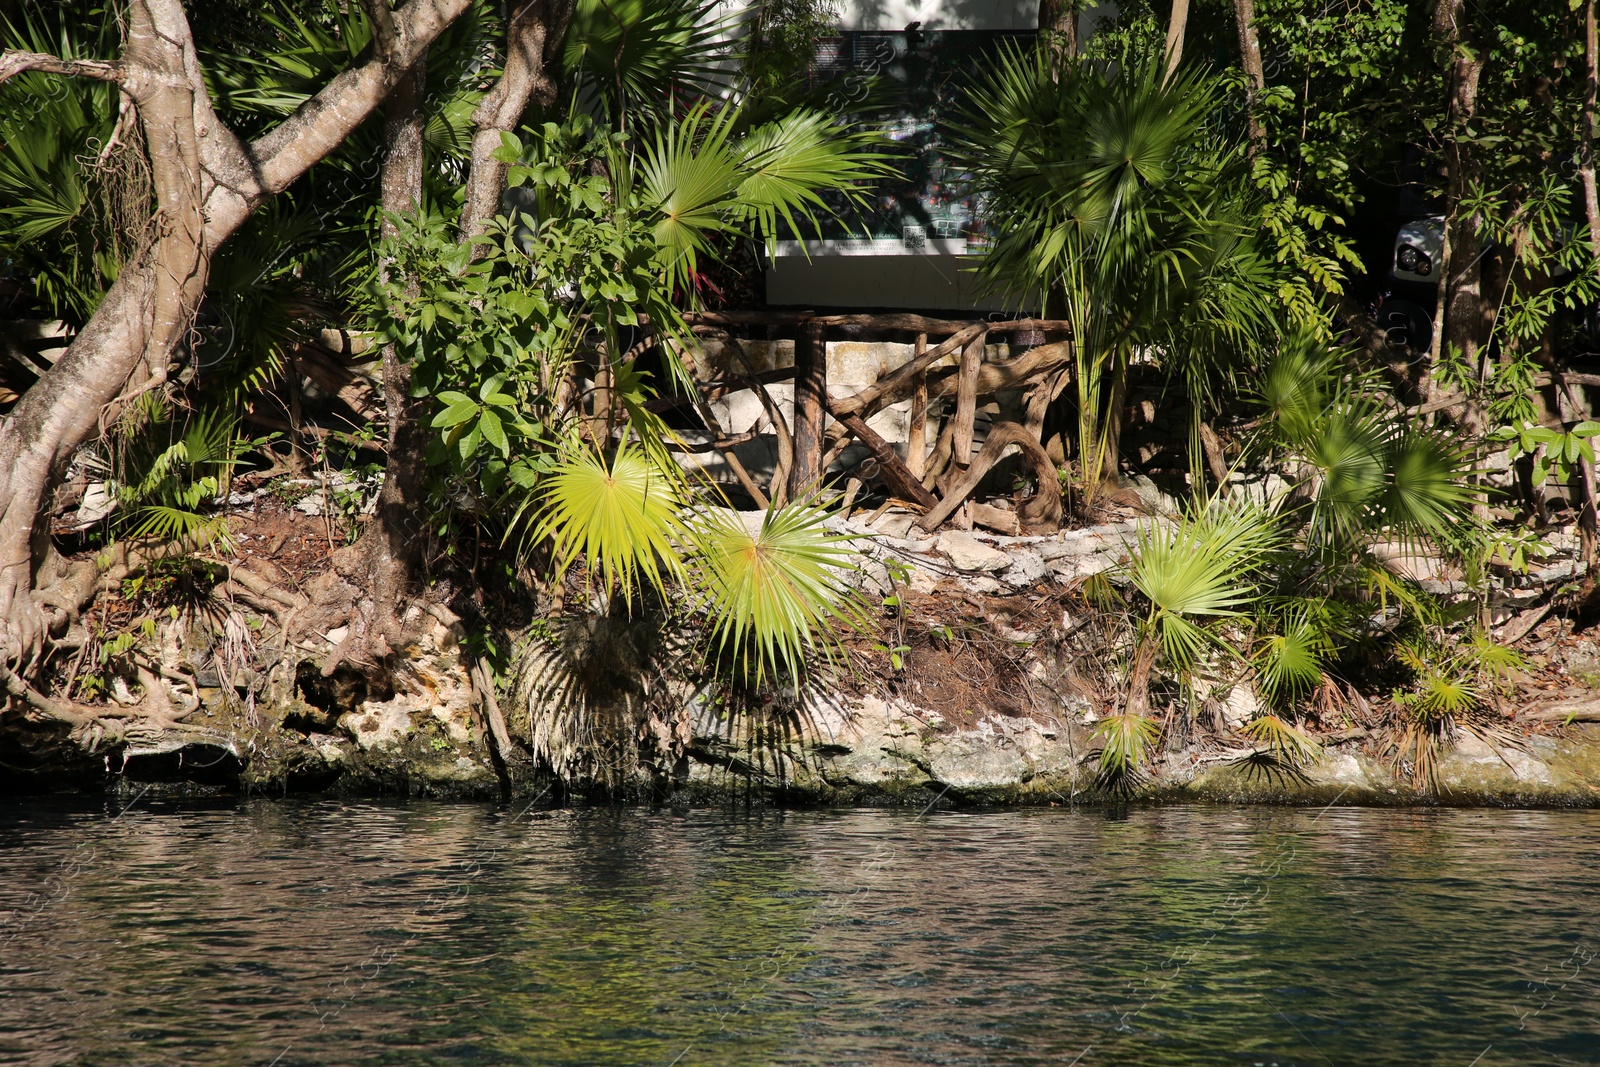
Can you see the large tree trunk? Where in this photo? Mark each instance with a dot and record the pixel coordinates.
(532, 36)
(206, 183)
(139, 321)
(1255, 75)
(390, 550)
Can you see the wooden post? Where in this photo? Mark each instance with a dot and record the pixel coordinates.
(917, 433)
(967, 401)
(810, 408)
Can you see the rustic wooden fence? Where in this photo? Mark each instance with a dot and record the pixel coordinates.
(954, 366)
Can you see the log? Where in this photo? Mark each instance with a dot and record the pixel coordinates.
(896, 475)
(967, 401)
(997, 519)
(810, 406)
(900, 382)
(917, 432)
(992, 377)
(1044, 508)
(1571, 711)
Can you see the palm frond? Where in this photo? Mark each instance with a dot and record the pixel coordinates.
(1289, 663)
(637, 55)
(1287, 742)
(1125, 742)
(1201, 566)
(776, 594)
(621, 516)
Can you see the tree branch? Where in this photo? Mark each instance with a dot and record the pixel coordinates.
(13, 62)
(324, 121)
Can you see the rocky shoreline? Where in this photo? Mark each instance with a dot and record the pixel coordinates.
(912, 733)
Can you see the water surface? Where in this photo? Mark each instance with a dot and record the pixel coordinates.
(321, 932)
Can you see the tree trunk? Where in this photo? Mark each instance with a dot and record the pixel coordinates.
(140, 320)
(1177, 24)
(206, 183)
(1111, 439)
(1591, 53)
(1255, 76)
(391, 546)
(810, 406)
(1058, 25)
(533, 35)
(1465, 322)
(1144, 662)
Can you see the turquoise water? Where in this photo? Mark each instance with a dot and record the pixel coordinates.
(418, 933)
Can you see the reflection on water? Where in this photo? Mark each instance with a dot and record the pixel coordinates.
(419, 933)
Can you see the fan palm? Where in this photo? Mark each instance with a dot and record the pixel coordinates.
(1114, 191)
(67, 219)
(638, 56)
(1367, 468)
(1199, 569)
(774, 594)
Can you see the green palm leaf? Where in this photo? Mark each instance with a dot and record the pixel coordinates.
(1289, 663)
(1201, 566)
(690, 174)
(1125, 742)
(1428, 493)
(776, 594)
(622, 516)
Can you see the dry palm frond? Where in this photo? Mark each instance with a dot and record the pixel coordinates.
(1419, 747)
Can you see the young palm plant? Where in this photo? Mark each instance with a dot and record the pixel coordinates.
(1197, 571)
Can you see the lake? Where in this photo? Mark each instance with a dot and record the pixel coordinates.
(339, 932)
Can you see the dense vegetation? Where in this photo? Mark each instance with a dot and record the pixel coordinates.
(206, 208)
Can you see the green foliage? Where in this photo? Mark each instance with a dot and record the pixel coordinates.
(1115, 192)
(1289, 663)
(775, 594)
(1125, 742)
(782, 41)
(168, 469)
(70, 213)
(623, 515)
(1449, 684)
(1372, 468)
(1200, 568)
(642, 55)
(1287, 743)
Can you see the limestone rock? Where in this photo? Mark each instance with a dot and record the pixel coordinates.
(969, 554)
(1026, 568)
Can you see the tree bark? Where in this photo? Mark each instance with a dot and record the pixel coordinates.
(391, 547)
(533, 35)
(206, 183)
(917, 430)
(1177, 25)
(810, 406)
(1255, 75)
(1591, 74)
(147, 309)
(967, 400)
(1042, 509)
(1464, 322)
(1058, 25)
